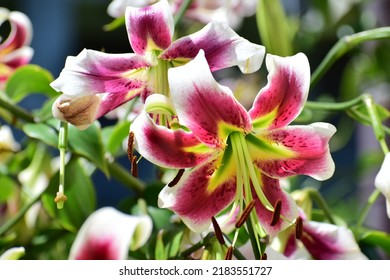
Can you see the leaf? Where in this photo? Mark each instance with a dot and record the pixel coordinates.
(115, 135)
(377, 238)
(88, 143)
(7, 188)
(114, 24)
(42, 132)
(81, 196)
(29, 79)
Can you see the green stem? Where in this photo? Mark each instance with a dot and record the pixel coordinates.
(332, 106)
(180, 13)
(62, 146)
(320, 201)
(125, 177)
(16, 110)
(344, 45)
(370, 202)
(19, 215)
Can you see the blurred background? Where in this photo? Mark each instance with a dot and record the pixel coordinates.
(63, 28)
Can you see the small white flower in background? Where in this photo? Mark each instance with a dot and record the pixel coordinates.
(382, 181)
(13, 253)
(8, 145)
(108, 234)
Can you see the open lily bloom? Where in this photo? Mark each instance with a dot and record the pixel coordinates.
(231, 156)
(94, 83)
(382, 181)
(14, 50)
(109, 234)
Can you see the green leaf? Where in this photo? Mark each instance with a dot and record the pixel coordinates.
(89, 144)
(114, 24)
(377, 238)
(29, 79)
(115, 135)
(42, 132)
(7, 188)
(81, 196)
(160, 253)
(274, 27)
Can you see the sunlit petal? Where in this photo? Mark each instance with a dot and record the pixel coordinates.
(382, 181)
(167, 147)
(281, 101)
(150, 28)
(207, 108)
(222, 46)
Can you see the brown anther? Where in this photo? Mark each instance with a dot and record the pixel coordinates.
(60, 197)
(299, 228)
(229, 253)
(176, 179)
(276, 215)
(218, 231)
(134, 167)
(264, 257)
(245, 214)
(130, 146)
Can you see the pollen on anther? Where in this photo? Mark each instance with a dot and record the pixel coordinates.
(176, 179)
(229, 253)
(130, 146)
(276, 214)
(134, 167)
(299, 228)
(245, 214)
(217, 231)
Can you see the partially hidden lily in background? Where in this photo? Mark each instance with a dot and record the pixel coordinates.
(109, 234)
(14, 49)
(233, 157)
(95, 83)
(382, 181)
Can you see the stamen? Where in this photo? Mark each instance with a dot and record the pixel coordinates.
(245, 214)
(276, 215)
(264, 257)
(134, 167)
(130, 146)
(299, 228)
(229, 253)
(177, 178)
(218, 231)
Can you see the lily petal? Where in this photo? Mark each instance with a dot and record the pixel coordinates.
(117, 8)
(281, 101)
(191, 94)
(21, 31)
(222, 46)
(150, 28)
(330, 242)
(294, 150)
(201, 193)
(166, 147)
(108, 234)
(382, 181)
(114, 78)
(289, 211)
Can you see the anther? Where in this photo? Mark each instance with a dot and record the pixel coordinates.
(264, 257)
(229, 253)
(245, 214)
(299, 228)
(276, 215)
(134, 167)
(176, 179)
(130, 146)
(218, 231)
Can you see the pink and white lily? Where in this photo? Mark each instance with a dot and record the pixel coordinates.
(94, 83)
(232, 156)
(108, 234)
(14, 50)
(382, 181)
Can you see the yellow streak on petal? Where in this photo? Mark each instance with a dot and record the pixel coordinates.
(264, 121)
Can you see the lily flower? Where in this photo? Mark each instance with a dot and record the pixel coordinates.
(232, 156)
(8, 145)
(94, 83)
(382, 181)
(14, 253)
(108, 234)
(14, 50)
(321, 241)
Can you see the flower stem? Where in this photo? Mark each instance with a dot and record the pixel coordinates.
(16, 110)
(320, 201)
(370, 202)
(180, 13)
(125, 177)
(62, 145)
(344, 45)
